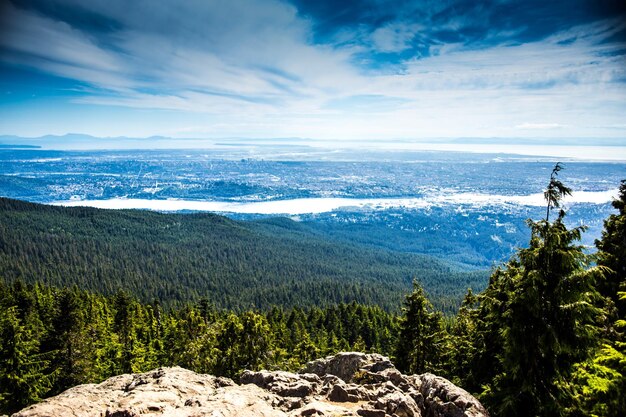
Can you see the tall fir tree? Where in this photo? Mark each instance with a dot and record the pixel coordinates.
(73, 360)
(421, 336)
(462, 343)
(123, 325)
(23, 379)
(550, 319)
(601, 381)
(612, 252)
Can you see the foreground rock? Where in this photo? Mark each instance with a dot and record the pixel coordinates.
(347, 384)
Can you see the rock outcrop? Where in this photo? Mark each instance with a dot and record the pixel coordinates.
(347, 384)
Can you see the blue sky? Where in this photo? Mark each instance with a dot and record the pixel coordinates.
(323, 69)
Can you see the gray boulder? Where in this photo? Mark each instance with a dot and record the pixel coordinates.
(444, 399)
(348, 384)
(285, 384)
(163, 392)
(347, 365)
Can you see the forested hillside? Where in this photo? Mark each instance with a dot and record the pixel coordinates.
(175, 258)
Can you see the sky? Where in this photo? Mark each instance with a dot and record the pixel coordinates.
(319, 69)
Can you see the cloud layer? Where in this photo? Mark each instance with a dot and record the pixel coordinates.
(361, 70)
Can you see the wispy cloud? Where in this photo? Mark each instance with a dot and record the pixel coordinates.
(268, 69)
(55, 47)
(394, 37)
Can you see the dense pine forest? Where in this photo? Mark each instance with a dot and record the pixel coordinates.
(53, 339)
(545, 338)
(177, 258)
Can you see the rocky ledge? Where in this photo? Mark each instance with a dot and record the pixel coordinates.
(347, 384)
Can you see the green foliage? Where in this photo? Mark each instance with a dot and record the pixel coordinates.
(421, 338)
(555, 191)
(244, 342)
(69, 341)
(461, 345)
(177, 258)
(546, 307)
(550, 323)
(52, 339)
(22, 368)
(600, 382)
(484, 345)
(612, 252)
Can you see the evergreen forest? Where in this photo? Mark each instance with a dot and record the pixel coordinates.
(544, 338)
(178, 258)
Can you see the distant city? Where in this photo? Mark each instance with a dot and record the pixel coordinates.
(469, 208)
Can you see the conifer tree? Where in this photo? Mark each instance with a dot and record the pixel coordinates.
(612, 252)
(461, 347)
(420, 340)
(255, 341)
(601, 381)
(190, 342)
(102, 341)
(243, 342)
(486, 319)
(123, 325)
(73, 360)
(550, 317)
(22, 370)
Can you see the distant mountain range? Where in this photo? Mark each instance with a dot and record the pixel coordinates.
(13, 146)
(79, 141)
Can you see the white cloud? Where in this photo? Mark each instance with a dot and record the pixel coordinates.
(253, 68)
(394, 37)
(57, 48)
